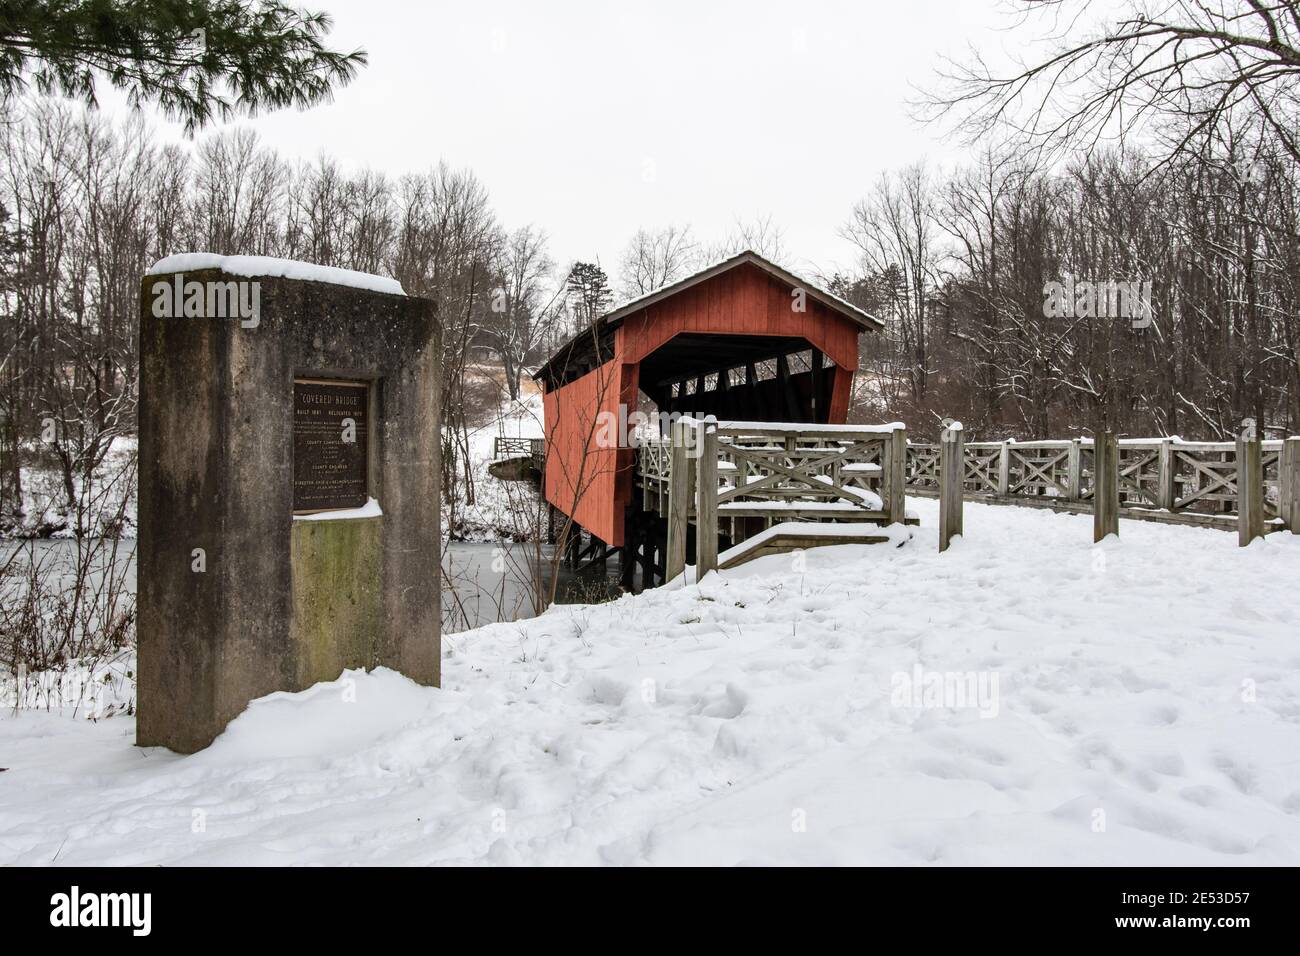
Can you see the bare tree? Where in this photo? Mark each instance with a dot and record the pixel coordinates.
(447, 238)
(1213, 238)
(1185, 67)
(520, 311)
(654, 259)
(82, 193)
(237, 204)
(893, 230)
(760, 234)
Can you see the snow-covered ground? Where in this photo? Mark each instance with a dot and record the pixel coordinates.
(1137, 702)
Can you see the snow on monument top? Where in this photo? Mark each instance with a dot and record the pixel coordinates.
(271, 267)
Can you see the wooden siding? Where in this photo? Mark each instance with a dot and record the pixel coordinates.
(744, 301)
(582, 477)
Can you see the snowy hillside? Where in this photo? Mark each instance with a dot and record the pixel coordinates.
(500, 509)
(1137, 702)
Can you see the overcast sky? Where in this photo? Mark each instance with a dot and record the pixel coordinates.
(593, 119)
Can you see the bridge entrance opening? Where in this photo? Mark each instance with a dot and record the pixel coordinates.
(764, 378)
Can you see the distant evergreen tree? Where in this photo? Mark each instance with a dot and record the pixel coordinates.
(859, 291)
(589, 293)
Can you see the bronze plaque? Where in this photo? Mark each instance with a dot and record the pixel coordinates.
(330, 431)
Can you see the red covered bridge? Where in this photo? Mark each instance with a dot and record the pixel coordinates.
(742, 340)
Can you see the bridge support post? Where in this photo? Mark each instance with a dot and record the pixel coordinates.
(647, 556)
(573, 544)
(706, 508)
(627, 553)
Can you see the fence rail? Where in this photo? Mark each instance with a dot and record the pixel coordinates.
(739, 478)
(1161, 479)
(511, 447)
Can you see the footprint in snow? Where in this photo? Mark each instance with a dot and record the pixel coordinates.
(1204, 795)
(1164, 716)
(1168, 764)
(730, 707)
(1242, 776)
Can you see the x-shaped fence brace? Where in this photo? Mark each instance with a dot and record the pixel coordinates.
(1195, 477)
(923, 465)
(780, 461)
(1214, 474)
(981, 468)
(1131, 476)
(1035, 468)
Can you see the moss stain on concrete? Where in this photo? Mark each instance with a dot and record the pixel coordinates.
(338, 613)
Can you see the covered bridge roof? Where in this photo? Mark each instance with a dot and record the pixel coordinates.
(605, 325)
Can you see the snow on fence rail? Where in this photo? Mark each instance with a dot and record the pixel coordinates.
(1163, 479)
(743, 477)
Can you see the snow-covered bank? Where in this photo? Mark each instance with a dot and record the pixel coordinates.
(1136, 702)
(107, 507)
(501, 509)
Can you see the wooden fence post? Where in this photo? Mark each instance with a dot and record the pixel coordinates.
(1105, 485)
(1250, 485)
(894, 478)
(679, 502)
(1166, 487)
(706, 507)
(1004, 468)
(1288, 484)
(1074, 472)
(951, 483)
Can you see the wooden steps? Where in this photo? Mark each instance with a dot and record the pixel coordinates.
(803, 535)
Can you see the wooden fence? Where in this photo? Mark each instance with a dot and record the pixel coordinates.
(511, 447)
(738, 478)
(1162, 479)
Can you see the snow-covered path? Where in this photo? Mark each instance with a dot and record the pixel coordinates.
(1138, 702)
